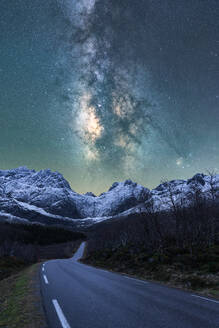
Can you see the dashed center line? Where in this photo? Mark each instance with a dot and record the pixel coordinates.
(206, 299)
(45, 278)
(60, 314)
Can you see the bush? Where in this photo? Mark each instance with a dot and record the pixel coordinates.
(197, 282)
(213, 267)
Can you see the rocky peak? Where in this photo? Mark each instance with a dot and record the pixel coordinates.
(197, 179)
(89, 193)
(25, 192)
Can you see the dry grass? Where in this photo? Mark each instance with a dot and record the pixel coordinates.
(20, 300)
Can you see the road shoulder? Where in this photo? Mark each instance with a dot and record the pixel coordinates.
(20, 300)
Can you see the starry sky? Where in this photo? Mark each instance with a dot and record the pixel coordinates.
(108, 90)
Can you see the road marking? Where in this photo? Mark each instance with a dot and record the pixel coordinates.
(45, 278)
(206, 299)
(60, 314)
(138, 280)
(43, 269)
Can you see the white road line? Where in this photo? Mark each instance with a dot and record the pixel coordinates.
(206, 299)
(45, 278)
(138, 280)
(43, 269)
(60, 314)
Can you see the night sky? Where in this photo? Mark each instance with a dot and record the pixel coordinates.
(109, 90)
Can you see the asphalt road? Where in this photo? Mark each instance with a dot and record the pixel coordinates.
(79, 296)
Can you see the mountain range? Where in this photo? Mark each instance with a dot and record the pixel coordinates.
(46, 197)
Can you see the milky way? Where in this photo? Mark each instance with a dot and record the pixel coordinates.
(128, 89)
(113, 102)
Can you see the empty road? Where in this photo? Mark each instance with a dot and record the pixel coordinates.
(79, 296)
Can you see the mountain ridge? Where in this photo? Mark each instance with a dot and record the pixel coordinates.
(45, 196)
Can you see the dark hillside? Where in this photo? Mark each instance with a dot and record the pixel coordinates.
(36, 234)
(180, 247)
(22, 244)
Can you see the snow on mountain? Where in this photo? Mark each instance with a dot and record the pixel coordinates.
(27, 193)
(181, 192)
(46, 197)
(120, 197)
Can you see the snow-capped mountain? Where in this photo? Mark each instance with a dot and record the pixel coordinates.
(38, 195)
(181, 192)
(46, 197)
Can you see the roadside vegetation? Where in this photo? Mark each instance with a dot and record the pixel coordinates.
(175, 267)
(20, 304)
(22, 245)
(179, 247)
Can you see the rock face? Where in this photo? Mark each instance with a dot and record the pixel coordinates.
(182, 191)
(24, 192)
(44, 189)
(46, 197)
